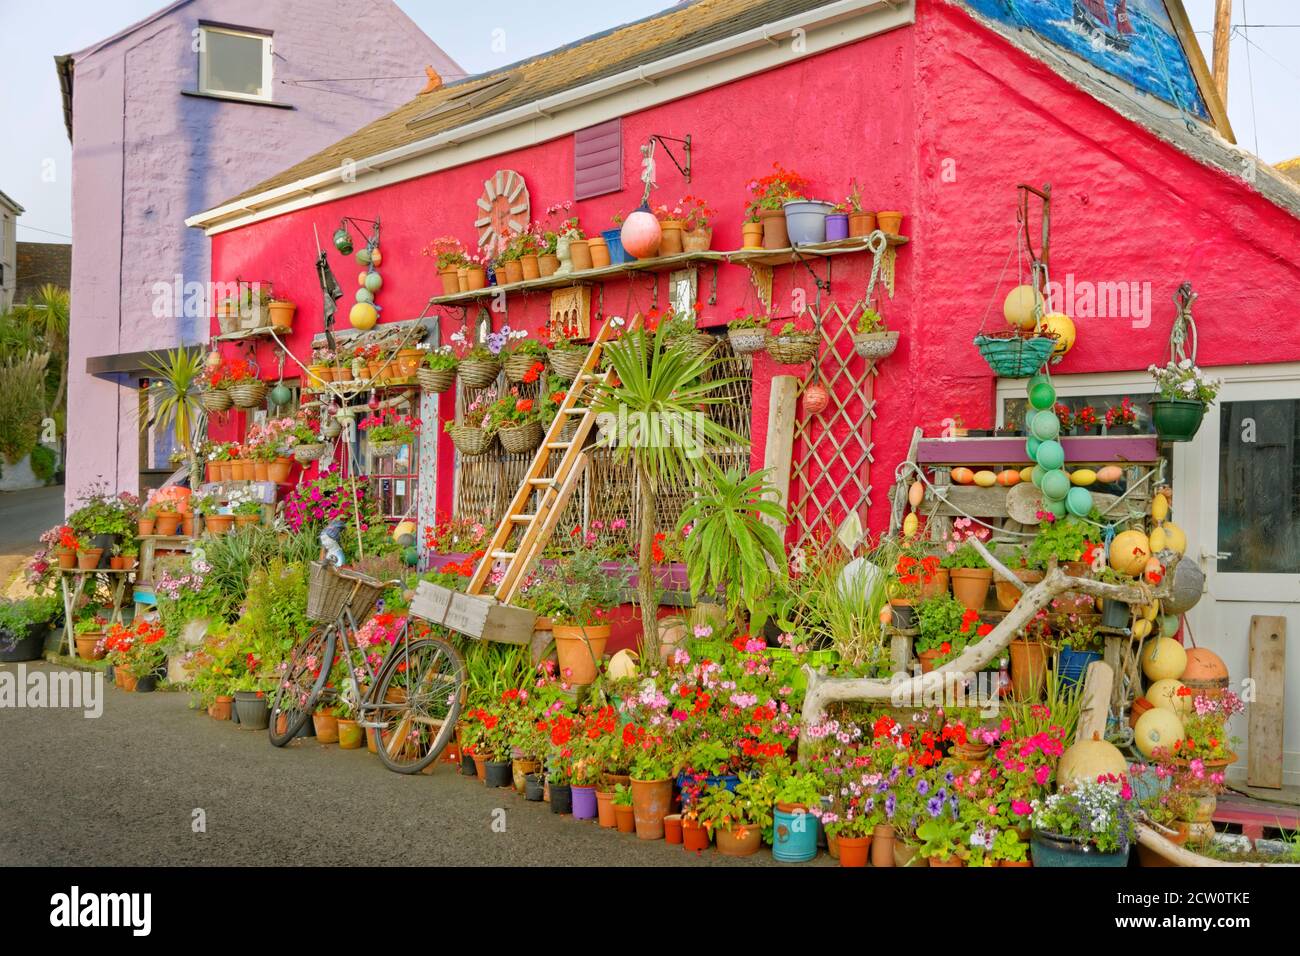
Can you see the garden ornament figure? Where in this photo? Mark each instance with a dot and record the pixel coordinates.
(329, 540)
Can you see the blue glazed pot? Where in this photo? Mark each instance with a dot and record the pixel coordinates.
(614, 243)
(794, 836)
(1072, 664)
(1051, 850)
(728, 781)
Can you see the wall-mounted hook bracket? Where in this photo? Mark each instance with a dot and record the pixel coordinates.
(663, 141)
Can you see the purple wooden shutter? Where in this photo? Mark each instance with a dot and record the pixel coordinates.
(598, 160)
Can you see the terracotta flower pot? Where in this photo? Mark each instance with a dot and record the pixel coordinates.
(350, 735)
(971, 586)
(938, 585)
(579, 650)
(260, 471)
(695, 837)
(115, 562)
(599, 252)
(530, 265)
(480, 767)
(167, 523)
(1028, 669)
(697, 240)
(605, 814)
(218, 524)
(854, 851)
(625, 818)
(221, 707)
(68, 557)
(187, 525)
(475, 278)
(86, 648)
(929, 659)
(580, 255)
(670, 242)
(673, 829)
(882, 845)
(450, 281)
(547, 264)
(740, 841)
(890, 222)
(752, 233)
(327, 727)
(861, 223)
(775, 235)
(88, 558)
(244, 521)
(951, 861)
(1008, 594)
(907, 854)
(278, 470)
(651, 801)
(514, 270)
(129, 680)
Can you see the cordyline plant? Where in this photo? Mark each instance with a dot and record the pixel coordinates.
(664, 390)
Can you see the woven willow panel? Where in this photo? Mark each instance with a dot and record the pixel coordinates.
(609, 491)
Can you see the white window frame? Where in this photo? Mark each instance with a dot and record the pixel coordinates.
(268, 72)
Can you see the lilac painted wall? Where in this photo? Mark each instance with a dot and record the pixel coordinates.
(145, 157)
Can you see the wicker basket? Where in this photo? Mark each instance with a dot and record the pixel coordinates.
(1014, 356)
(517, 366)
(570, 429)
(436, 380)
(567, 363)
(697, 344)
(522, 438)
(793, 349)
(747, 341)
(384, 449)
(216, 399)
(472, 441)
(331, 590)
(248, 394)
(875, 345)
(478, 373)
(305, 454)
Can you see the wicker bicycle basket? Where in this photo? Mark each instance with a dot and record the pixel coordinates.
(1010, 355)
(330, 590)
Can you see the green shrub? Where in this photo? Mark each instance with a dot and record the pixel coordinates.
(22, 383)
(44, 462)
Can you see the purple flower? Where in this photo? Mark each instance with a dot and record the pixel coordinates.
(922, 786)
(934, 806)
(891, 803)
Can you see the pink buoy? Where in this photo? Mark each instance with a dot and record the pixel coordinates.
(641, 234)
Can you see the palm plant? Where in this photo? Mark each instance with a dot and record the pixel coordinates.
(175, 374)
(663, 391)
(731, 546)
(48, 313)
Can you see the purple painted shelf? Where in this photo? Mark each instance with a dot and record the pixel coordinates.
(1079, 450)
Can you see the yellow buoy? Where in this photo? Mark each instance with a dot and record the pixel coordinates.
(986, 479)
(1175, 538)
(909, 526)
(1027, 473)
(1163, 657)
(1063, 326)
(1164, 693)
(1159, 508)
(1157, 728)
(1083, 477)
(1109, 474)
(1129, 552)
(622, 664)
(363, 316)
(1089, 759)
(1141, 628)
(1019, 306)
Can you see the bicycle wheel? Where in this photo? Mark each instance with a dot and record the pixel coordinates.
(301, 681)
(416, 701)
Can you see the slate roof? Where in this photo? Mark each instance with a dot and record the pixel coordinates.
(39, 263)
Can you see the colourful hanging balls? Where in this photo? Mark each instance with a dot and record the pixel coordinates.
(1041, 393)
(1057, 508)
(1045, 426)
(1031, 447)
(1050, 455)
(1055, 484)
(281, 395)
(1036, 476)
(1079, 501)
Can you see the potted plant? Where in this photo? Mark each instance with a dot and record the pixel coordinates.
(388, 430)
(1089, 824)
(794, 829)
(793, 345)
(246, 507)
(1122, 419)
(1079, 642)
(472, 435)
(861, 222)
(914, 576)
(747, 332)
(1027, 571)
(697, 224)
(23, 625)
(523, 359)
(581, 592)
(970, 574)
(213, 520)
(651, 762)
(614, 241)
(1064, 541)
(624, 812)
(1185, 392)
(805, 220)
(873, 340)
(853, 819)
(1086, 421)
(88, 632)
(517, 423)
(63, 541)
(566, 356)
(672, 227)
(437, 371)
(837, 222)
(480, 362)
(890, 221)
(767, 197)
(939, 620)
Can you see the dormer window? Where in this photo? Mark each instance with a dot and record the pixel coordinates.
(234, 63)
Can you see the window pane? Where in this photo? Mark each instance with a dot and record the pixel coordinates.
(235, 64)
(1259, 487)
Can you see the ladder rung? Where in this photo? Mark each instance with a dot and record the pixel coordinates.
(559, 444)
(541, 481)
(522, 519)
(589, 377)
(503, 554)
(575, 410)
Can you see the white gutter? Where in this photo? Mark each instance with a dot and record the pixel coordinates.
(890, 13)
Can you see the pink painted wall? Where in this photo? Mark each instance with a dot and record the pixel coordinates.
(145, 157)
(890, 111)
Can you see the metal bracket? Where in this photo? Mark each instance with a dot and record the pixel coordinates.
(686, 149)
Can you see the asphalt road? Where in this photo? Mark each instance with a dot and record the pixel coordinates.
(121, 790)
(24, 516)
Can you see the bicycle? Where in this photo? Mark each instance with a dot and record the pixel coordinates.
(412, 703)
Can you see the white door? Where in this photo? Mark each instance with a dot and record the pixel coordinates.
(1237, 495)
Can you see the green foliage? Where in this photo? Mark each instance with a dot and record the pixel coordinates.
(22, 383)
(44, 463)
(274, 619)
(1064, 539)
(964, 557)
(730, 546)
(938, 619)
(18, 617)
(175, 377)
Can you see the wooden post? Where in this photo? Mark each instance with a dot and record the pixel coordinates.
(1222, 40)
(779, 452)
(1268, 671)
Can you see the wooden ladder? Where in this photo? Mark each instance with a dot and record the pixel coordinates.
(553, 493)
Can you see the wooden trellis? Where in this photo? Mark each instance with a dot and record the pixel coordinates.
(831, 472)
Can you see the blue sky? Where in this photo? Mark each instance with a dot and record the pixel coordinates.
(31, 34)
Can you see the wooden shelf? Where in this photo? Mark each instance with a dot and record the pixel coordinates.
(1010, 451)
(658, 264)
(820, 250)
(263, 332)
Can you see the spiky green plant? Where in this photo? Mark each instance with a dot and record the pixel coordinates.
(22, 385)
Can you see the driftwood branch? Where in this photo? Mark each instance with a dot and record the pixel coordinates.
(1180, 856)
(941, 682)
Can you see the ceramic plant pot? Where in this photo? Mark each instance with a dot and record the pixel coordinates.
(739, 841)
(651, 802)
(695, 837)
(579, 650)
(971, 586)
(805, 221)
(775, 235)
(854, 851)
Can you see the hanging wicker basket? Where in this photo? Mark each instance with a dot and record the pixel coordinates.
(478, 373)
(567, 363)
(570, 429)
(248, 394)
(747, 341)
(522, 438)
(216, 399)
(794, 348)
(697, 344)
(330, 590)
(436, 379)
(1011, 355)
(518, 365)
(305, 454)
(384, 449)
(472, 441)
(875, 345)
